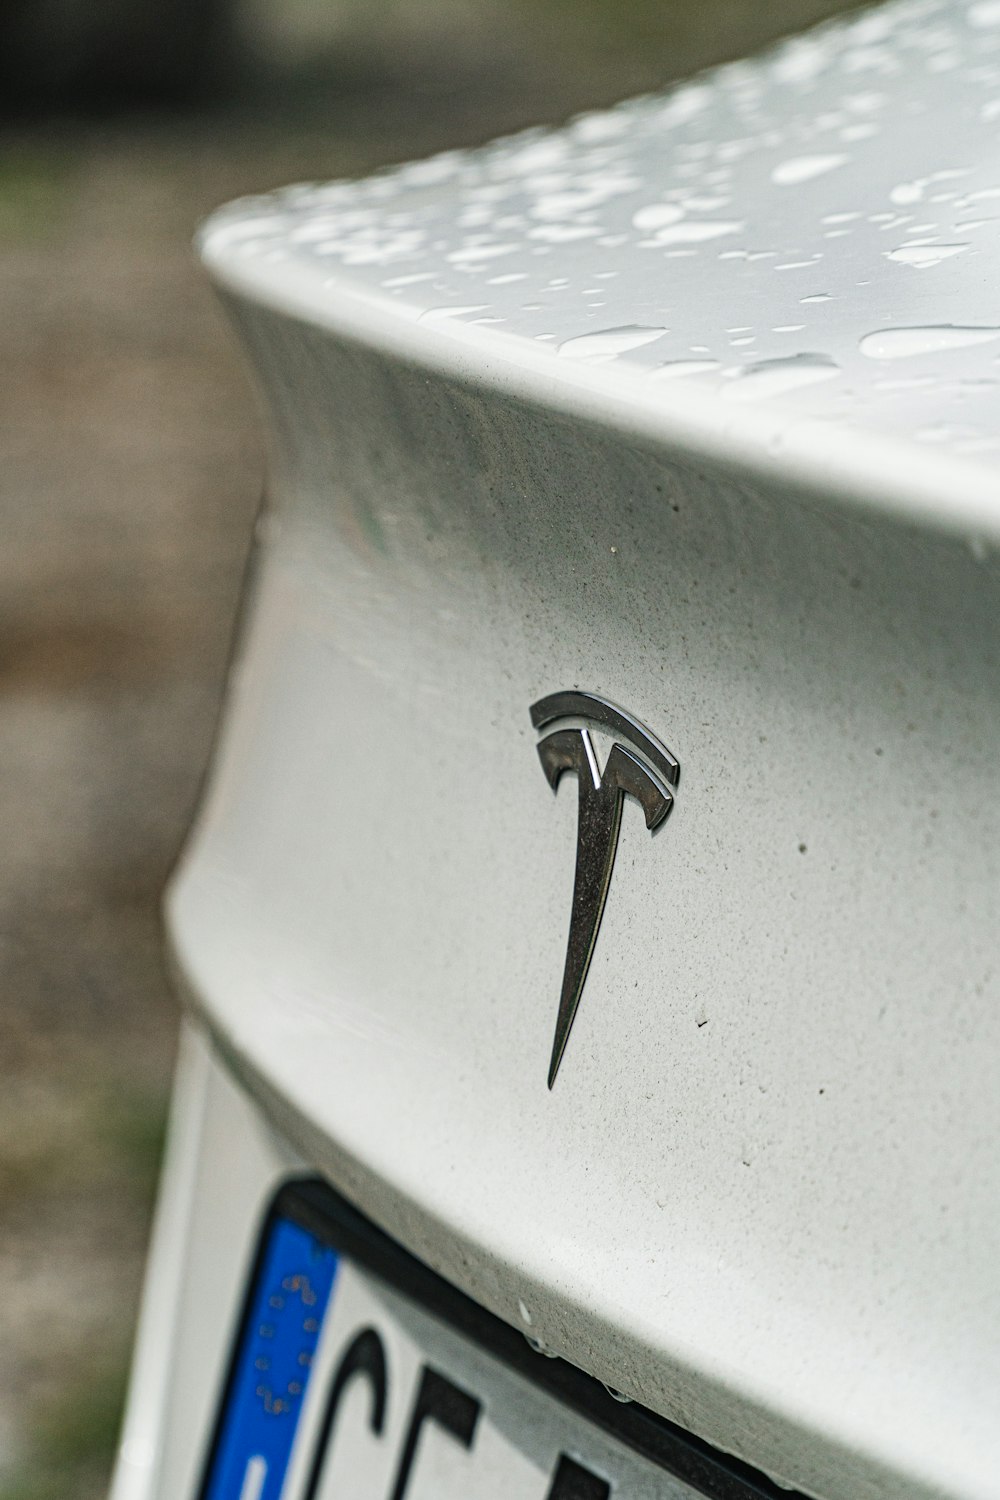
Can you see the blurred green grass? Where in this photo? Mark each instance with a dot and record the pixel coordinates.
(74, 1435)
(102, 1142)
(98, 1137)
(35, 186)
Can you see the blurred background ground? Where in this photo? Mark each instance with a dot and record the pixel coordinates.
(131, 468)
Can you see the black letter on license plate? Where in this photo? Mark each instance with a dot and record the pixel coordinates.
(437, 1401)
(365, 1356)
(573, 1482)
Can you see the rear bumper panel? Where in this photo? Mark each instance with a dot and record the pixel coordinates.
(761, 1196)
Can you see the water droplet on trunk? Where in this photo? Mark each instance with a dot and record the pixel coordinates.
(609, 342)
(804, 168)
(904, 343)
(772, 377)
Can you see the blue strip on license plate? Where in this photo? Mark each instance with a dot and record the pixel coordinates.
(281, 1324)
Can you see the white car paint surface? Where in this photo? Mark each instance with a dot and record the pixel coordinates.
(692, 404)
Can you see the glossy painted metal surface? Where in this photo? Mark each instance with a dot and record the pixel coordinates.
(800, 246)
(520, 443)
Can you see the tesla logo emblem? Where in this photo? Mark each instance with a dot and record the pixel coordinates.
(637, 766)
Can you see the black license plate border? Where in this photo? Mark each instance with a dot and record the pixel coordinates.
(311, 1202)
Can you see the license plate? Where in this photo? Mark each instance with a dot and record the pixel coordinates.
(358, 1374)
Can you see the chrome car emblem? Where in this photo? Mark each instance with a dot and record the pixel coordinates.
(643, 769)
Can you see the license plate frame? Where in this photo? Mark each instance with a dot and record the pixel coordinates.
(310, 1203)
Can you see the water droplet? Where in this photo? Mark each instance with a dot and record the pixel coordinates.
(657, 215)
(434, 313)
(800, 60)
(609, 342)
(540, 1347)
(599, 126)
(617, 1395)
(429, 173)
(468, 255)
(804, 168)
(537, 155)
(703, 205)
(907, 192)
(924, 253)
(696, 231)
(984, 13)
(684, 103)
(772, 377)
(818, 297)
(871, 28)
(561, 234)
(677, 369)
(862, 132)
(904, 343)
(523, 1310)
